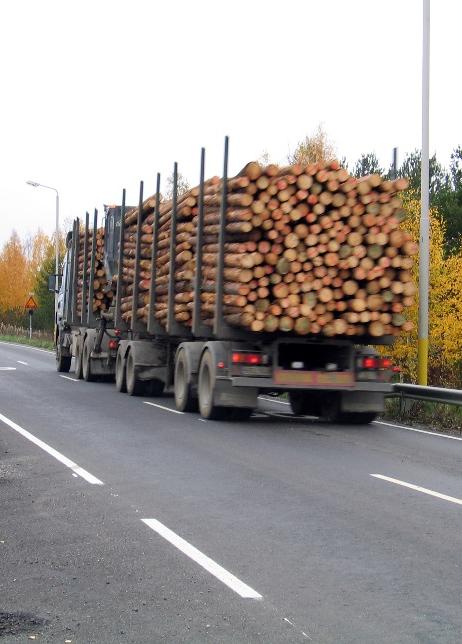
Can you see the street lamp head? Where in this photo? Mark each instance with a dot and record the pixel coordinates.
(33, 183)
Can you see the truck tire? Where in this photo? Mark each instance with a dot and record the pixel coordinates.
(63, 363)
(185, 400)
(355, 417)
(135, 387)
(88, 376)
(207, 375)
(78, 366)
(120, 373)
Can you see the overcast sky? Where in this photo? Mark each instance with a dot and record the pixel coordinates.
(98, 94)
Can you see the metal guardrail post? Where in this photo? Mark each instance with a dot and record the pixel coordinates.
(428, 394)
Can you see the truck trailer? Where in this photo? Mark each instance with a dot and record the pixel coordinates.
(217, 369)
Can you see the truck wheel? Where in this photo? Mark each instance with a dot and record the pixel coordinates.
(135, 387)
(63, 363)
(120, 375)
(78, 366)
(184, 397)
(88, 376)
(355, 417)
(207, 377)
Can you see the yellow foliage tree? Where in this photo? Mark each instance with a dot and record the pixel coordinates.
(15, 280)
(313, 149)
(445, 305)
(37, 248)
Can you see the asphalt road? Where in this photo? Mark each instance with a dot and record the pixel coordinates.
(122, 521)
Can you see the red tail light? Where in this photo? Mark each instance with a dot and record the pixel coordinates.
(370, 363)
(246, 358)
(113, 344)
(376, 363)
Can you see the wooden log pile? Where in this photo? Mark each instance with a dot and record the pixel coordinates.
(309, 250)
(103, 294)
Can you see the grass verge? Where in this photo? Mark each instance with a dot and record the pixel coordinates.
(33, 342)
(446, 419)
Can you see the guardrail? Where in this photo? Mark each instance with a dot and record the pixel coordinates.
(429, 394)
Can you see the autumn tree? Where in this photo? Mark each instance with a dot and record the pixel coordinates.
(313, 149)
(445, 191)
(15, 282)
(44, 315)
(37, 248)
(445, 305)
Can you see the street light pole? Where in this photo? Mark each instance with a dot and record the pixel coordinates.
(424, 259)
(34, 184)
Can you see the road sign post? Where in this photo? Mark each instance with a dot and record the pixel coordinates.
(30, 305)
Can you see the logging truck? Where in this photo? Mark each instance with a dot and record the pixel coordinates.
(209, 296)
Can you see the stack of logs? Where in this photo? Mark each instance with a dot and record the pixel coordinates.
(309, 250)
(102, 294)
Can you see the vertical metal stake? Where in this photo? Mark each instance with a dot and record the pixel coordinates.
(172, 255)
(153, 324)
(135, 326)
(198, 328)
(218, 322)
(118, 322)
(75, 271)
(394, 167)
(83, 314)
(91, 287)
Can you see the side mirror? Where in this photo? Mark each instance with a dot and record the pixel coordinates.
(54, 282)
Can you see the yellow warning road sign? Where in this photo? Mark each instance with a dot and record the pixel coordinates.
(31, 304)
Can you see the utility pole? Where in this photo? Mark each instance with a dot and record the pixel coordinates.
(424, 257)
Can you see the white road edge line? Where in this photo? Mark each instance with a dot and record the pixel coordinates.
(208, 564)
(27, 346)
(417, 488)
(174, 411)
(69, 378)
(52, 451)
(7, 368)
(420, 431)
(26, 364)
(280, 402)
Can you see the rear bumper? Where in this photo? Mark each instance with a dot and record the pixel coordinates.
(268, 383)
